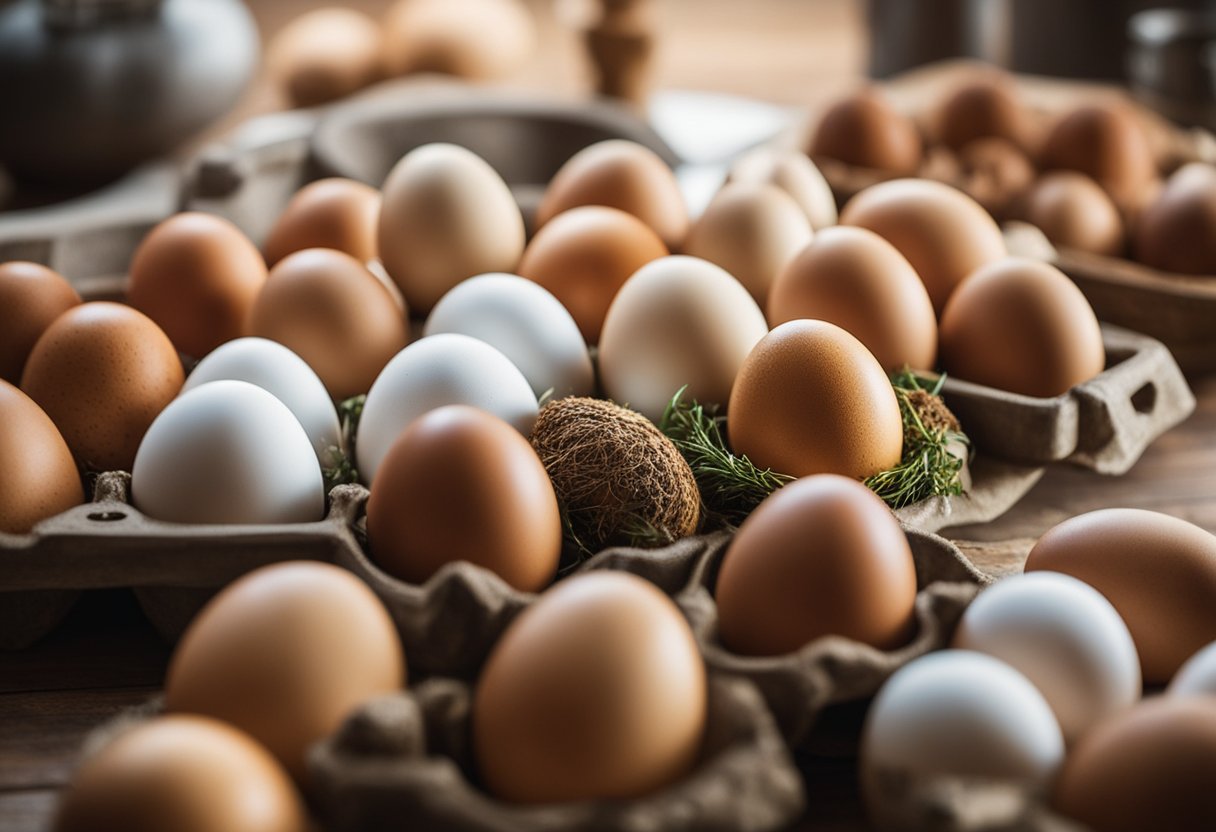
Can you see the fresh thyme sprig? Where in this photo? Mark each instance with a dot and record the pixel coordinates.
(343, 470)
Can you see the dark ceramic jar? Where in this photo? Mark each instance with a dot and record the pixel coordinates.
(91, 88)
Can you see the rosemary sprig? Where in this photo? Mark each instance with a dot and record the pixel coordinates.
(343, 470)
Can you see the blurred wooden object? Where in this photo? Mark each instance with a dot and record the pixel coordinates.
(621, 44)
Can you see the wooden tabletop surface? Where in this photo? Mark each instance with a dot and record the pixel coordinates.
(106, 657)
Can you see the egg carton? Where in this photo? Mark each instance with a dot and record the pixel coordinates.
(908, 803)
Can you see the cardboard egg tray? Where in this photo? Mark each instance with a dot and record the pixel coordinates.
(1176, 309)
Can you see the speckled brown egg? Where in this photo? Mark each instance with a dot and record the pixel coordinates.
(103, 372)
(822, 556)
(1148, 768)
(866, 131)
(986, 107)
(596, 691)
(623, 175)
(327, 308)
(197, 276)
(285, 654)
(40, 478)
(751, 230)
(31, 297)
(811, 399)
(325, 54)
(1074, 212)
(1177, 231)
(1159, 572)
(460, 484)
(186, 773)
(944, 234)
(329, 213)
(855, 279)
(437, 36)
(1105, 142)
(583, 256)
(1021, 325)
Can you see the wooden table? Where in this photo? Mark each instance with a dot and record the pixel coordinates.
(106, 657)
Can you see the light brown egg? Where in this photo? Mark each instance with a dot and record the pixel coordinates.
(679, 322)
(986, 107)
(330, 213)
(995, 173)
(31, 297)
(811, 399)
(327, 308)
(596, 691)
(1021, 325)
(1159, 572)
(866, 131)
(462, 484)
(285, 654)
(446, 216)
(855, 279)
(103, 372)
(793, 172)
(196, 275)
(1074, 212)
(1149, 768)
(1105, 142)
(751, 230)
(325, 54)
(1177, 232)
(822, 556)
(583, 256)
(186, 773)
(475, 39)
(623, 175)
(40, 478)
(944, 234)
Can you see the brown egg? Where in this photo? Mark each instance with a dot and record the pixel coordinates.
(186, 773)
(751, 230)
(595, 692)
(285, 654)
(866, 131)
(325, 54)
(462, 484)
(1149, 768)
(680, 322)
(197, 276)
(811, 399)
(624, 175)
(855, 279)
(329, 213)
(446, 216)
(331, 311)
(1074, 212)
(31, 297)
(794, 173)
(1177, 232)
(822, 556)
(1022, 326)
(40, 478)
(945, 234)
(103, 372)
(983, 108)
(1105, 142)
(1159, 572)
(994, 172)
(437, 36)
(584, 255)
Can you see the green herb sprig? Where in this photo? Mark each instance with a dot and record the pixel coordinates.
(343, 469)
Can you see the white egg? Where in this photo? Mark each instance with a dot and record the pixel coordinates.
(960, 714)
(1197, 677)
(440, 370)
(526, 323)
(227, 452)
(794, 173)
(281, 372)
(1062, 635)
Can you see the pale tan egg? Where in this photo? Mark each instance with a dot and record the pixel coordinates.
(325, 54)
(794, 173)
(474, 39)
(1074, 212)
(330, 213)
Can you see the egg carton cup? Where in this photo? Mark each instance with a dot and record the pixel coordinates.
(1103, 424)
(833, 670)
(408, 757)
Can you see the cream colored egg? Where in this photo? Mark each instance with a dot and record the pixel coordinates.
(794, 173)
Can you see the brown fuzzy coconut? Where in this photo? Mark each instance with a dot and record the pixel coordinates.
(618, 479)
